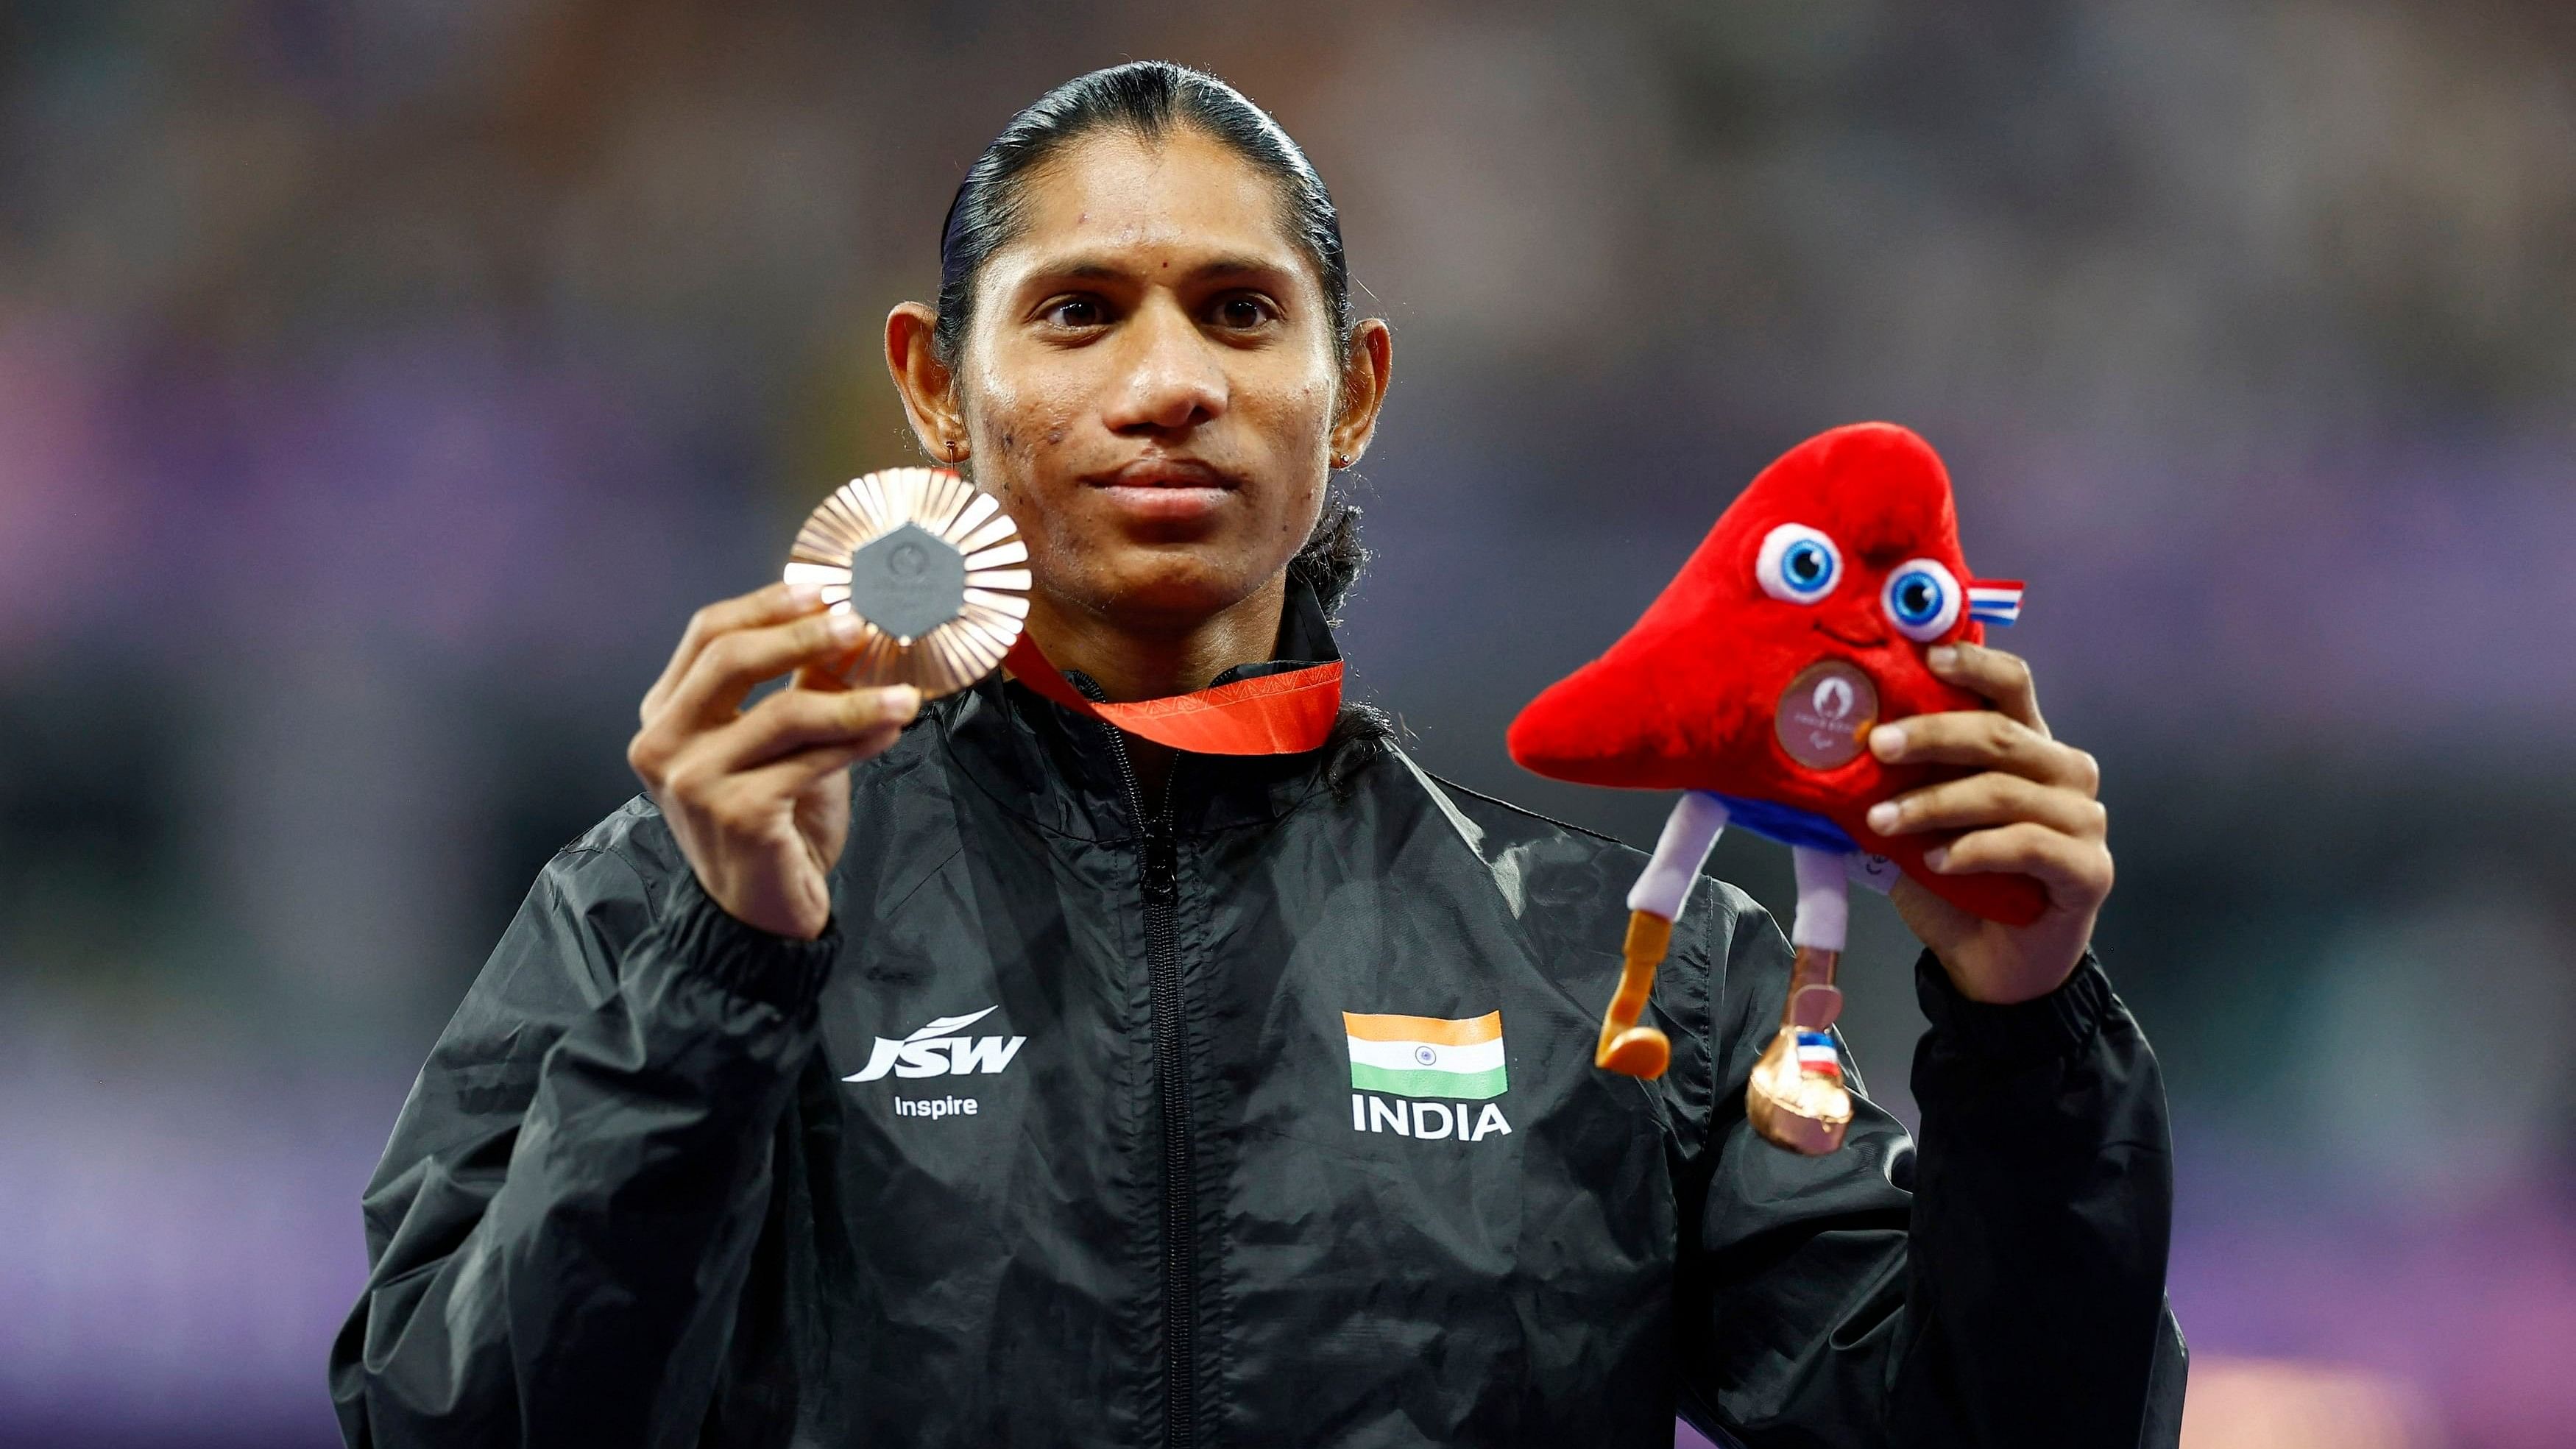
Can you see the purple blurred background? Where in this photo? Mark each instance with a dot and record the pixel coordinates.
(382, 384)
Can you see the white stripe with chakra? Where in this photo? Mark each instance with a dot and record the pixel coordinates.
(1423, 1056)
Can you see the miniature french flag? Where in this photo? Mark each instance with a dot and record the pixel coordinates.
(1817, 1057)
(1997, 601)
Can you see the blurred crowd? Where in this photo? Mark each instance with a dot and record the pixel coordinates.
(382, 384)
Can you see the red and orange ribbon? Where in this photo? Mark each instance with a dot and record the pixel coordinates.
(1287, 713)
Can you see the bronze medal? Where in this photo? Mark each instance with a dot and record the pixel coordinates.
(934, 568)
(1825, 714)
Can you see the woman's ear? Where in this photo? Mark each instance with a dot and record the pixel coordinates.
(1368, 365)
(929, 389)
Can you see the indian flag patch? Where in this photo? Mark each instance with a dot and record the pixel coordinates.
(1426, 1056)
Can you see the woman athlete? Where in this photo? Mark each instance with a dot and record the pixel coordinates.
(975, 1074)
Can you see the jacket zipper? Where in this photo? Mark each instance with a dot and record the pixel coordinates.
(1160, 878)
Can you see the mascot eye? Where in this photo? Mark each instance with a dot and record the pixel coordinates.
(1797, 564)
(1921, 599)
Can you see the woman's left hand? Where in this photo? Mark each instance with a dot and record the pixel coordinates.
(2030, 810)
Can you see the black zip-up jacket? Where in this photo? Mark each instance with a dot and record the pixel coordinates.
(1053, 1139)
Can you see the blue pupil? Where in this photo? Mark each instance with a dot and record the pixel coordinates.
(1918, 598)
(1806, 565)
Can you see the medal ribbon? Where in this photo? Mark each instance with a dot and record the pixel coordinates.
(1287, 713)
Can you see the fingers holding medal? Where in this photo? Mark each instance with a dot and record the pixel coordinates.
(904, 585)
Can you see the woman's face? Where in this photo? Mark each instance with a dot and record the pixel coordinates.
(1150, 381)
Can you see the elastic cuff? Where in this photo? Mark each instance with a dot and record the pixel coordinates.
(705, 940)
(2039, 1029)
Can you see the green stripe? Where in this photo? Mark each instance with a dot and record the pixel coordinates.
(1470, 1085)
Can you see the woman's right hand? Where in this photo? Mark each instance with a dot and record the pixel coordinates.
(760, 798)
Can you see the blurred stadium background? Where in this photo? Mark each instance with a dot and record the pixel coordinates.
(382, 383)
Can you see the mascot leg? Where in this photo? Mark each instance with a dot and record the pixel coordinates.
(1796, 1098)
(1653, 903)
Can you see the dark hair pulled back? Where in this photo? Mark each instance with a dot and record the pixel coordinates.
(1149, 99)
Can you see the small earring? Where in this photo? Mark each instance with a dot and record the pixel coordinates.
(956, 449)
(1341, 460)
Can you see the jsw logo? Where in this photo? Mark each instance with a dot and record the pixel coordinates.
(934, 1051)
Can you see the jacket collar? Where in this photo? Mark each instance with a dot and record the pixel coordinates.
(1065, 772)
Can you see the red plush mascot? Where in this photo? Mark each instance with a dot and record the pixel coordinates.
(1752, 682)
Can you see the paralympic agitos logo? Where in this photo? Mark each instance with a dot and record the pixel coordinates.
(937, 1051)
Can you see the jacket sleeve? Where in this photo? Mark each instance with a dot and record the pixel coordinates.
(560, 1227)
(2004, 1286)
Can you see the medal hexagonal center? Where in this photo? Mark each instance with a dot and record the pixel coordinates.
(907, 582)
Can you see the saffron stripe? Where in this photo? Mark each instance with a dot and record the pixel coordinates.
(1435, 1030)
(1469, 1085)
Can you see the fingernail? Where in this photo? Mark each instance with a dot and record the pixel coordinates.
(899, 699)
(844, 628)
(1882, 817)
(1942, 656)
(1887, 741)
(1937, 858)
(804, 596)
